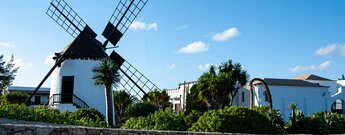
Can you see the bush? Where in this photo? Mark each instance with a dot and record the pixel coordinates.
(85, 117)
(234, 119)
(192, 117)
(16, 97)
(140, 109)
(160, 120)
(319, 123)
(274, 117)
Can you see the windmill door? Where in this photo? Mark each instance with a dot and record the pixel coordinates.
(67, 89)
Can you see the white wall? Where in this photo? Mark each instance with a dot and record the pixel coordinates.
(308, 99)
(182, 92)
(84, 86)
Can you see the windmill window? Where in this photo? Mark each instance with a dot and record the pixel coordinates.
(242, 96)
(337, 106)
(265, 95)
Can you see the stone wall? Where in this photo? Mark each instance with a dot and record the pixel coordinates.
(10, 127)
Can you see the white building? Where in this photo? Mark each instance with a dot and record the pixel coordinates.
(178, 95)
(40, 98)
(72, 85)
(310, 92)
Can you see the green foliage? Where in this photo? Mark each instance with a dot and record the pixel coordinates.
(193, 102)
(214, 87)
(192, 117)
(159, 98)
(160, 120)
(140, 109)
(7, 73)
(122, 100)
(15, 97)
(88, 117)
(84, 117)
(319, 123)
(273, 116)
(234, 119)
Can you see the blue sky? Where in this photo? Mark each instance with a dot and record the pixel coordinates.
(175, 41)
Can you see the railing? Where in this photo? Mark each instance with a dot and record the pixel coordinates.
(67, 99)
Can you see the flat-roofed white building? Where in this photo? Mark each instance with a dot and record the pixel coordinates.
(41, 97)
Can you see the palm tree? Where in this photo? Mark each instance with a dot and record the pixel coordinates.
(122, 99)
(105, 73)
(293, 107)
(159, 98)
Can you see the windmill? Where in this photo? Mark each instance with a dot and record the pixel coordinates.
(71, 84)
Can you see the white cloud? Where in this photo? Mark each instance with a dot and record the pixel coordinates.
(49, 60)
(195, 47)
(342, 50)
(6, 44)
(205, 67)
(137, 25)
(152, 26)
(322, 66)
(22, 64)
(171, 66)
(183, 27)
(226, 35)
(326, 50)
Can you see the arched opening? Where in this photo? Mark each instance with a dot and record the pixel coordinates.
(338, 106)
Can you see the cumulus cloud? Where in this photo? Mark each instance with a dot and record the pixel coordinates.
(6, 44)
(326, 50)
(225, 35)
(137, 25)
(205, 67)
(22, 64)
(342, 50)
(171, 66)
(320, 67)
(195, 47)
(152, 26)
(49, 60)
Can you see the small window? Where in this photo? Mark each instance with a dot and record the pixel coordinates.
(37, 100)
(242, 96)
(265, 95)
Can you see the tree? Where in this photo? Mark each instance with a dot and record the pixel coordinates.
(342, 77)
(105, 73)
(218, 90)
(122, 100)
(7, 73)
(195, 101)
(159, 98)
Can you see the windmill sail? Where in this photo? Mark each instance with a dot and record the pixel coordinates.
(123, 16)
(132, 80)
(68, 19)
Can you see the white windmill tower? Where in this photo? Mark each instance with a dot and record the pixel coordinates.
(72, 85)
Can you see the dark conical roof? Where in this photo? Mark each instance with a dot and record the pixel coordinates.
(83, 47)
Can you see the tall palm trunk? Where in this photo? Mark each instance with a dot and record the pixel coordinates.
(109, 106)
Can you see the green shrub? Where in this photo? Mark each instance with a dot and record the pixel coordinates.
(192, 117)
(87, 117)
(16, 97)
(319, 123)
(234, 119)
(274, 117)
(160, 120)
(140, 109)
